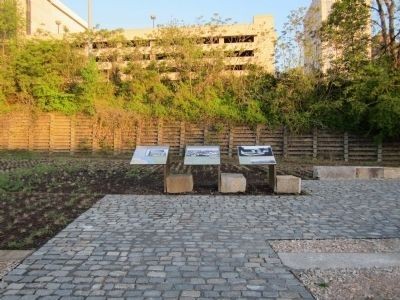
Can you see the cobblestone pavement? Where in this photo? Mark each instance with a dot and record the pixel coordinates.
(199, 246)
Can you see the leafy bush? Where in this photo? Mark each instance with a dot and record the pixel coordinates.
(357, 94)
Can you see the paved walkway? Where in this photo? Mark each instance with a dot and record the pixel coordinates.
(199, 246)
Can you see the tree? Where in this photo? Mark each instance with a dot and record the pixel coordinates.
(363, 94)
(388, 27)
(11, 22)
(346, 35)
(290, 44)
(45, 74)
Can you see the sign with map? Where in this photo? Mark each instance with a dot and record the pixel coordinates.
(256, 155)
(150, 155)
(202, 155)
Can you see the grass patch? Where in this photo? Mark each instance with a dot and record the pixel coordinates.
(23, 180)
(323, 285)
(19, 154)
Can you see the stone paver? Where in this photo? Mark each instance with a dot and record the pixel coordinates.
(197, 247)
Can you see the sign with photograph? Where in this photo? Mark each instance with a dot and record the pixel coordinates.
(202, 155)
(150, 155)
(256, 155)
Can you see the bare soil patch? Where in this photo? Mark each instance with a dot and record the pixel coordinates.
(40, 195)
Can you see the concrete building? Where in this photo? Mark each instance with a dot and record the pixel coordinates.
(245, 44)
(316, 56)
(50, 16)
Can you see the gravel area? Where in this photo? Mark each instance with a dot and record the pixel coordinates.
(338, 246)
(372, 283)
(353, 284)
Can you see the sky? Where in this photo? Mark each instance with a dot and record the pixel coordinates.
(112, 14)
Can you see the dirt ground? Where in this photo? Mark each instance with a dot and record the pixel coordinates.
(41, 194)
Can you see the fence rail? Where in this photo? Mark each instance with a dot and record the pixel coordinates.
(59, 133)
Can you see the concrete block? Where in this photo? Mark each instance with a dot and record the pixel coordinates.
(334, 172)
(179, 183)
(391, 173)
(288, 184)
(233, 183)
(369, 173)
(305, 261)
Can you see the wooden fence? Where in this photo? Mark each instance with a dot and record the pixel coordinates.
(58, 133)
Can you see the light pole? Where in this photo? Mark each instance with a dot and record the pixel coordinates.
(153, 18)
(58, 23)
(90, 27)
(90, 14)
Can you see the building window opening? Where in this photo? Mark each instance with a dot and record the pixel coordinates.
(210, 40)
(245, 53)
(101, 45)
(161, 56)
(235, 67)
(105, 58)
(138, 43)
(239, 39)
(136, 57)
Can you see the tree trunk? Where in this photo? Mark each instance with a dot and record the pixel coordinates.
(390, 7)
(386, 10)
(382, 18)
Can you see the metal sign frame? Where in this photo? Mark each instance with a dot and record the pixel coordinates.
(152, 155)
(256, 155)
(259, 155)
(204, 156)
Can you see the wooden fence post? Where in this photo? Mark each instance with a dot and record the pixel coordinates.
(138, 132)
(380, 152)
(8, 137)
(182, 136)
(205, 135)
(230, 142)
(315, 143)
(117, 135)
(30, 135)
(346, 147)
(95, 142)
(285, 143)
(51, 132)
(72, 137)
(258, 134)
(159, 132)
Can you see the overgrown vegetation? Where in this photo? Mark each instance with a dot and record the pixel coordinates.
(360, 91)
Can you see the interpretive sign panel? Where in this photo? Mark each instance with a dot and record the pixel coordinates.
(202, 155)
(256, 155)
(150, 155)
